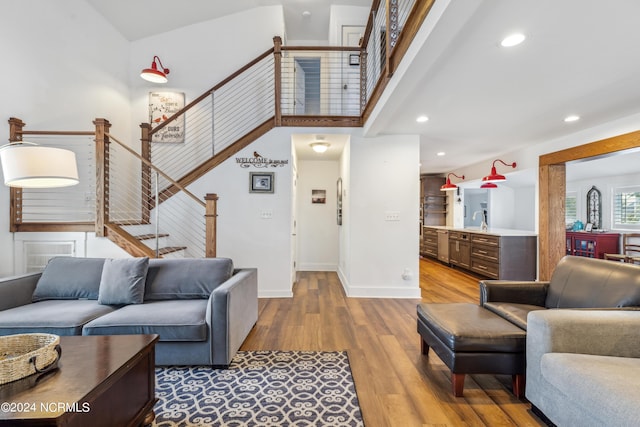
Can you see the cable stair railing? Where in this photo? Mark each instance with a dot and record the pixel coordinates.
(340, 87)
(141, 198)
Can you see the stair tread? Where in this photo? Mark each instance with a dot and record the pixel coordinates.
(150, 236)
(170, 249)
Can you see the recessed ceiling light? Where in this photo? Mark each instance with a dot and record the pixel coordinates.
(306, 14)
(422, 119)
(572, 118)
(440, 153)
(512, 40)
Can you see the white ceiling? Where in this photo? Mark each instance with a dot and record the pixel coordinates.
(137, 19)
(580, 57)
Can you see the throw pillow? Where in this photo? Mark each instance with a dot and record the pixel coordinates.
(69, 278)
(123, 280)
(186, 278)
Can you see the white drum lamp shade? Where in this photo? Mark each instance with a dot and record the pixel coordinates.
(35, 166)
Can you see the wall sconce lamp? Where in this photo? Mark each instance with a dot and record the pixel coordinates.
(319, 147)
(448, 186)
(494, 176)
(29, 165)
(153, 74)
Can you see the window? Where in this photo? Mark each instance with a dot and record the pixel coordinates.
(626, 207)
(571, 207)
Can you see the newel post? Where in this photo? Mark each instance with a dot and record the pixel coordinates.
(102, 175)
(15, 193)
(277, 75)
(211, 213)
(145, 152)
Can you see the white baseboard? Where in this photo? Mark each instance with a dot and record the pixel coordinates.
(275, 294)
(376, 292)
(313, 266)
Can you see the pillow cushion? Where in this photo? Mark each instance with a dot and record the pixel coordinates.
(69, 278)
(122, 281)
(186, 278)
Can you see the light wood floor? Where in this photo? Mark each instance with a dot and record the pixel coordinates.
(396, 385)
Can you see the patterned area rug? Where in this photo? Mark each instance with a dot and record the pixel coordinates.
(260, 388)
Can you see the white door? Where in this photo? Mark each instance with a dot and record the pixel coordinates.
(299, 86)
(351, 71)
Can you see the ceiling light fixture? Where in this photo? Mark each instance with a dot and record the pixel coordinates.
(440, 153)
(572, 118)
(29, 165)
(512, 40)
(494, 176)
(422, 119)
(448, 186)
(319, 147)
(153, 74)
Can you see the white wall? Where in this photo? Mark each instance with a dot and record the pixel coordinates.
(340, 15)
(384, 179)
(344, 262)
(605, 185)
(63, 66)
(201, 55)
(527, 158)
(318, 231)
(243, 234)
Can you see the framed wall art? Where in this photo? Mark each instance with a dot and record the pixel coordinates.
(163, 105)
(261, 182)
(319, 196)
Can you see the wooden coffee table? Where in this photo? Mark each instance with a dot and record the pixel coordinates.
(101, 381)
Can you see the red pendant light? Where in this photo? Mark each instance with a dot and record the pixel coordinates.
(494, 176)
(448, 186)
(153, 74)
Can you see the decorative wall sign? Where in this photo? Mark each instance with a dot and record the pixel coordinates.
(594, 208)
(319, 196)
(261, 182)
(258, 161)
(163, 105)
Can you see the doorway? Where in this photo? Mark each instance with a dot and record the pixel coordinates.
(307, 86)
(552, 192)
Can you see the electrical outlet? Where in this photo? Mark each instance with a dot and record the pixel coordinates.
(392, 216)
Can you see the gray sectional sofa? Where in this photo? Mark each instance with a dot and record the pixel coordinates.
(202, 309)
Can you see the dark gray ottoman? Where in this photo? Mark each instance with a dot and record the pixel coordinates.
(472, 340)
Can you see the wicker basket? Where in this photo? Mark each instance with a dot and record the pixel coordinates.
(26, 354)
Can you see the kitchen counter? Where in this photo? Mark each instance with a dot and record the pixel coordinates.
(496, 253)
(491, 231)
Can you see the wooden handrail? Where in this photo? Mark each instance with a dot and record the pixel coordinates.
(323, 48)
(153, 167)
(207, 93)
(58, 132)
(367, 31)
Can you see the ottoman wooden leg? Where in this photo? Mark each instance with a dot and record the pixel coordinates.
(424, 347)
(457, 381)
(518, 385)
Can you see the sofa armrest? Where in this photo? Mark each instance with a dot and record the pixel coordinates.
(231, 313)
(17, 290)
(517, 292)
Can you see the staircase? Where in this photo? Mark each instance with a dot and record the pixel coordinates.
(141, 198)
